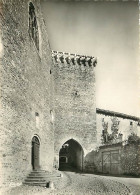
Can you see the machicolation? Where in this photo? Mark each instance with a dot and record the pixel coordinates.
(48, 113)
(67, 58)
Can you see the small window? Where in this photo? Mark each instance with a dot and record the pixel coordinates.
(36, 114)
(63, 159)
(33, 27)
(131, 123)
(37, 119)
(52, 116)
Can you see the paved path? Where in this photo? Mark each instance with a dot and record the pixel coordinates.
(83, 184)
(86, 184)
(132, 183)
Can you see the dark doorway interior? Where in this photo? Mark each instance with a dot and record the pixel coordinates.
(71, 156)
(35, 153)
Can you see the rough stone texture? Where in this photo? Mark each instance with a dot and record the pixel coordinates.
(129, 159)
(93, 160)
(26, 88)
(75, 110)
(28, 80)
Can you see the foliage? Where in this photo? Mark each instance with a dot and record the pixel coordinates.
(114, 137)
(133, 139)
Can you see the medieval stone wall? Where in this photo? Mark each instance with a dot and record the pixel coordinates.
(126, 162)
(130, 158)
(28, 83)
(26, 89)
(111, 143)
(115, 154)
(75, 111)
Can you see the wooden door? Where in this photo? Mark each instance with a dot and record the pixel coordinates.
(115, 162)
(106, 162)
(35, 153)
(110, 162)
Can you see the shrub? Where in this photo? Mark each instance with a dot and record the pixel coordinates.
(133, 139)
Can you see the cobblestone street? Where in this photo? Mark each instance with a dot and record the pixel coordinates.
(75, 184)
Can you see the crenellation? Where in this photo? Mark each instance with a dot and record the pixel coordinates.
(74, 59)
(48, 100)
(74, 81)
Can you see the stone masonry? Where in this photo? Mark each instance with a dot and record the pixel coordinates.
(26, 89)
(75, 110)
(49, 95)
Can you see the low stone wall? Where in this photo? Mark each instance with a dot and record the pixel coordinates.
(93, 162)
(114, 159)
(130, 159)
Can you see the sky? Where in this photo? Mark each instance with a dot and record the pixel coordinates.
(108, 31)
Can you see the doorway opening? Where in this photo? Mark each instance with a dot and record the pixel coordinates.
(71, 156)
(35, 153)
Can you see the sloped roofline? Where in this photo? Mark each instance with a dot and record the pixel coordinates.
(117, 114)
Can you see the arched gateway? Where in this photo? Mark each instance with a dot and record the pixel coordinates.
(35, 153)
(71, 156)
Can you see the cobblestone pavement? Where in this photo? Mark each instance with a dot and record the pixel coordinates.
(81, 184)
(85, 184)
(132, 183)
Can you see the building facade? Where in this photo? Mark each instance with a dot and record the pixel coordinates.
(40, 93)
(47, 99)
(114, 127)
(118, 150)
(27, 134)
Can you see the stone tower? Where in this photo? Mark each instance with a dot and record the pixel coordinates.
(26, 140)
(74, 104)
